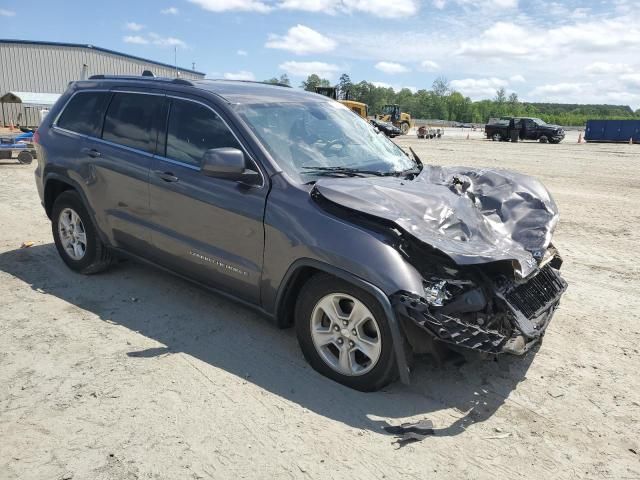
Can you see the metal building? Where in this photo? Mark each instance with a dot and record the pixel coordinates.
(48, 67)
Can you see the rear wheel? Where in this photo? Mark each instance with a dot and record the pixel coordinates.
(25, 157)
(404, 127)
(75, 235)
(496, 137)
(344, 335)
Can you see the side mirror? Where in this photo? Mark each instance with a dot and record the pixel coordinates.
(228, 163)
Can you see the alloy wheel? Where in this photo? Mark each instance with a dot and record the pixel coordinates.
(345, 334)
(72, 233)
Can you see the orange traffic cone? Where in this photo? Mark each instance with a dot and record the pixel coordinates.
(580, 138)
(467, 136)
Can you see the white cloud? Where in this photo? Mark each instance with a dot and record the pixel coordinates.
(383, 8)
(498, 41)
(486, 4)
(241, 75)
(7, 13)
(327, 6)
(170, 11)
(378, 8)
(429, 65)
(555, 89)
(135, 39)
(632, 80)
(304, 69)
(479, 87)
(242, 53)
(166, 41)
(301, 40)
(233, 5)
(381, 85)
(391, 68)
(133, 26)
(517, 79)
(605, 68)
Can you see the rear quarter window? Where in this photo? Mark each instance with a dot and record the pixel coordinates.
(85, 113)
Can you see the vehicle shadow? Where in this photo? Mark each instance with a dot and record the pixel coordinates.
(185, 318)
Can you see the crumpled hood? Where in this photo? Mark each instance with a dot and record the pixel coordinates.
(472, 215)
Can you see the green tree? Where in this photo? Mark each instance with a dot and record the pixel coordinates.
(441, 86)
(283, 80)
(344, 87)
(314, 81)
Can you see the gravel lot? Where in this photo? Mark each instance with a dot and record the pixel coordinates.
(135, 374)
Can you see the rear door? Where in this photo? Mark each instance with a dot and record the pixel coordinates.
(206, 228)
(122, 159)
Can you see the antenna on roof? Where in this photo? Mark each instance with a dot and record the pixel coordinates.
(147, 73)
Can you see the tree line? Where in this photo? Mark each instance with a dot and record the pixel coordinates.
(444, 103)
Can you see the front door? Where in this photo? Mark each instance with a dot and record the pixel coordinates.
(209, 229)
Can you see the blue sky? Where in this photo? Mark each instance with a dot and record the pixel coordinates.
(570, 51)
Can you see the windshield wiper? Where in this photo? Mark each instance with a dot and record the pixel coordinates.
(347, 171)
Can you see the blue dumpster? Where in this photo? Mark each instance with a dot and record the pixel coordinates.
(612, 131)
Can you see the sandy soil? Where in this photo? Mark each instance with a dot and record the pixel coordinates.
(134, 374)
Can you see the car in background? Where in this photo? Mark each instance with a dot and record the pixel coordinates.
(523, 128)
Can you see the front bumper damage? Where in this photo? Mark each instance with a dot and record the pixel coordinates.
(502, 316)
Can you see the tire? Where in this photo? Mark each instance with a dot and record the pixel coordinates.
(544, 139)
(25, 158)
(496, 137)
(310, 317)
(404, 127)
(94, 257)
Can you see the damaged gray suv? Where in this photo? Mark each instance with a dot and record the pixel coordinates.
(288, 202)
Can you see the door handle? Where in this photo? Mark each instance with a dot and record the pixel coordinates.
(92, 152)
(166, 176)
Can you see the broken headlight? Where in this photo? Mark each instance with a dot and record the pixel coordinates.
(435, 292)
(438, 291)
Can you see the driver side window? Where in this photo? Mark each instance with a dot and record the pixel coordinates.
(192, 130)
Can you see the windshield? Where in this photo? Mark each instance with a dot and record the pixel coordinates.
(306, 138)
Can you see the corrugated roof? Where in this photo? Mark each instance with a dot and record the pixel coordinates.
(30, 98)
(100, 49)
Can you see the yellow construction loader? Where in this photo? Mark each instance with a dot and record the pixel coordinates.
(358, 108)
(392, 114)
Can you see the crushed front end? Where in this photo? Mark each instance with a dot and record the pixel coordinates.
(487, 308)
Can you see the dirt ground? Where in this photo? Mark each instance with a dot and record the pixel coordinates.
(135, 374)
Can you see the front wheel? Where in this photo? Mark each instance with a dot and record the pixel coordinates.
(344, 334)
(75, 235)
(404, 127)
(544, 139)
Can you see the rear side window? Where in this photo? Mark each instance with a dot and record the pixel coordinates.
(193, 129)
(131, 120)
(84, 113)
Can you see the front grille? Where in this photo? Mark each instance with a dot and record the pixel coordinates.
(535, 295)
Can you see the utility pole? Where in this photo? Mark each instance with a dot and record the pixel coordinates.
(175, 58)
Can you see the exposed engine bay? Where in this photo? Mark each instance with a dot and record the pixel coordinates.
(481, 240)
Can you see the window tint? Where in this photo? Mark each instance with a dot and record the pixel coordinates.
(193, 129)
(131, 120)
(84, 113)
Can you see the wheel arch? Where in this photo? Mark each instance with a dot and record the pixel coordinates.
(54, 185)
(303, 269)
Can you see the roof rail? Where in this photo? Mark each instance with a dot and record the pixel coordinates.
(249, 81)
(177, 81)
